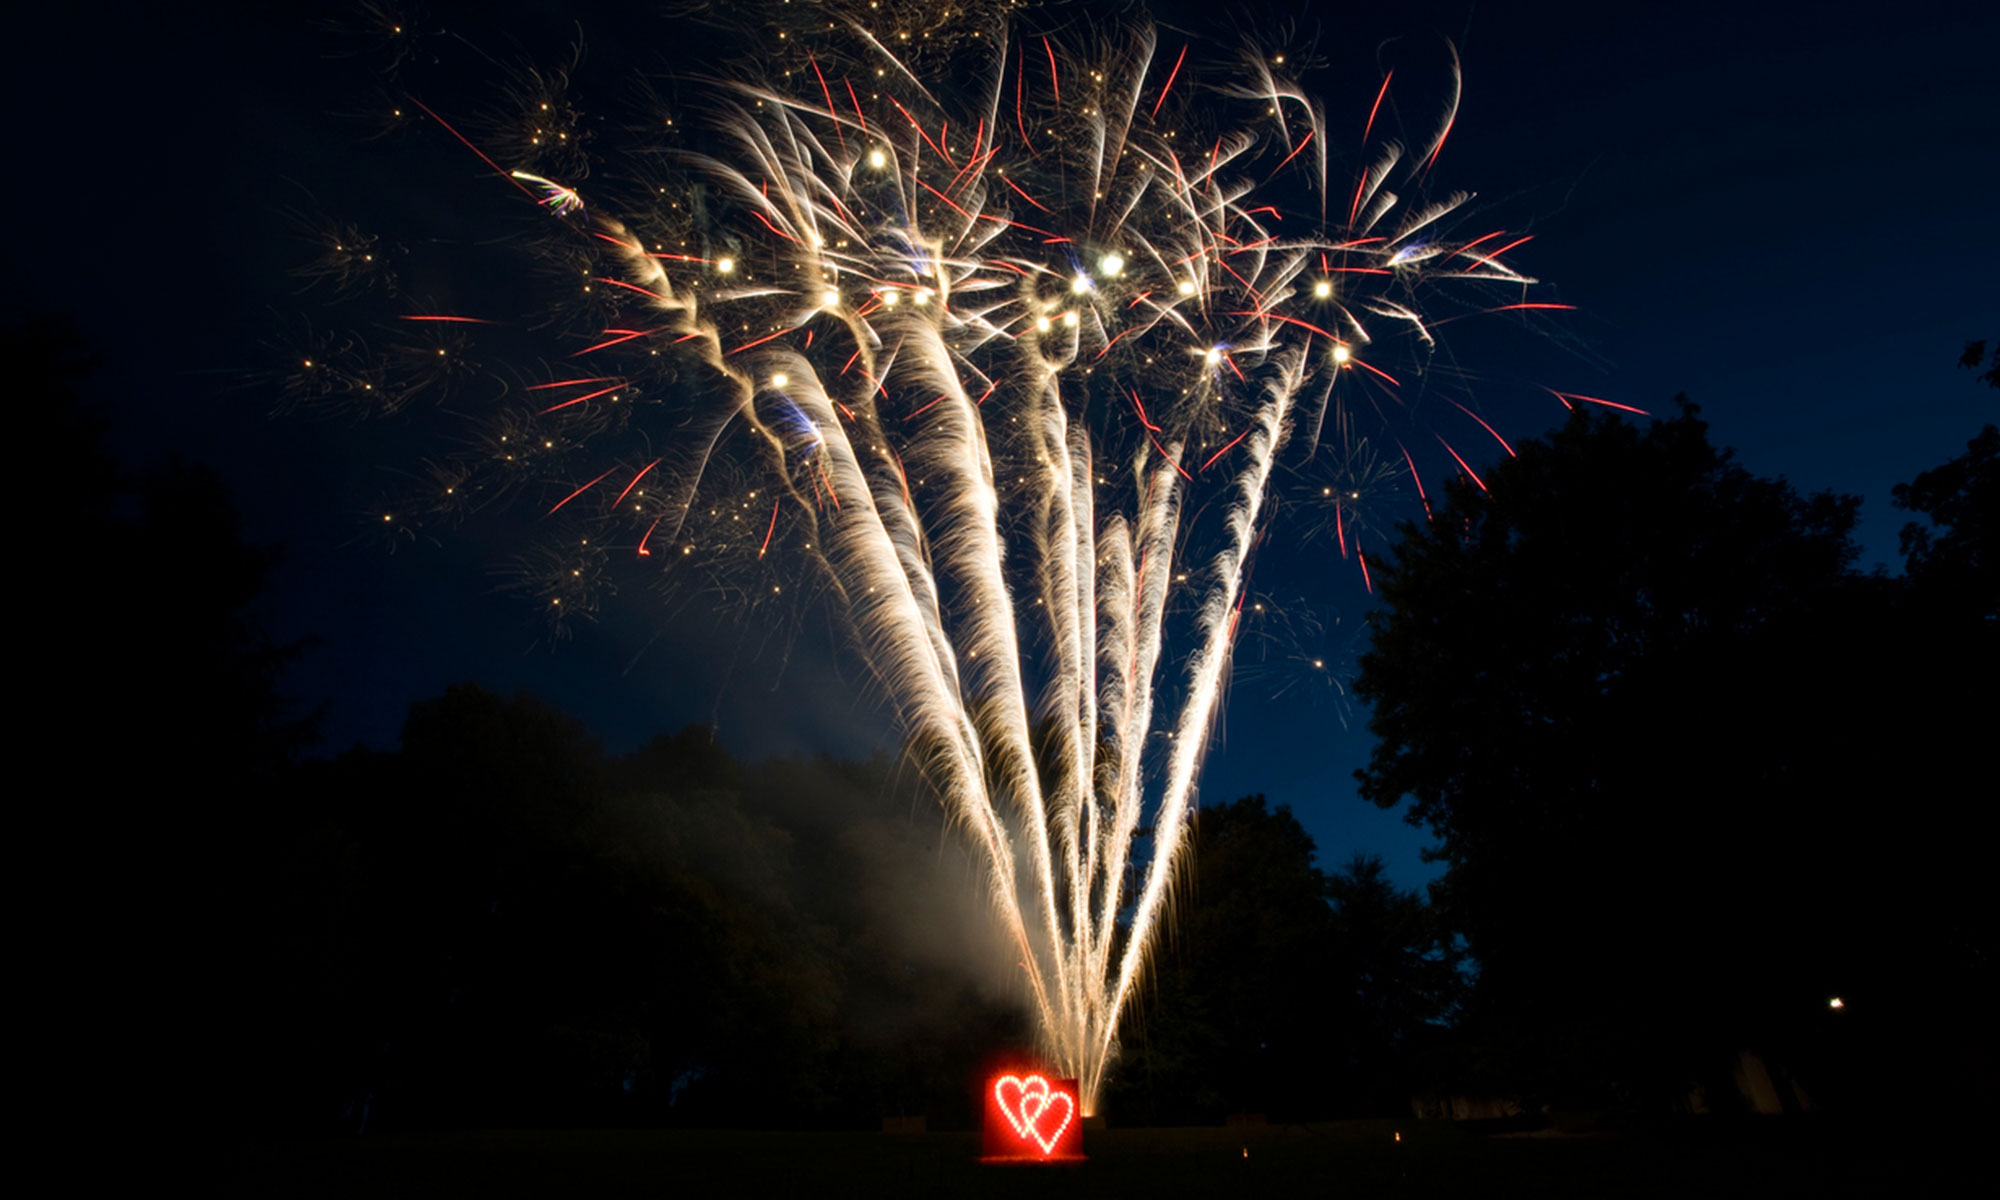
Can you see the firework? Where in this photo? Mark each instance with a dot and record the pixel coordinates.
(1000, 337)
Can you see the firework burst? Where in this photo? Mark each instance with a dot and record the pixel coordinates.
(998, 336)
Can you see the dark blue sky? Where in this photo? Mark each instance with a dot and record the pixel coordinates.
(1787, 213)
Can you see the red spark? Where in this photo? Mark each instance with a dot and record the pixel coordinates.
(760, 341)
(1170, 458)
(647, 537)
(1025, 196)
(1488, 258)
(580, 491)
(769, 530)
(1566, 397)
(773, 228)
(634, 483)
(1055, 84)
(1462, 463)
(633, 287)
(858, 115)
(1171, 76)
(1475, 241)
(1294, 154)
(1415, 478)
(1384, 374)
(455, 320)
(828, 93)
(1226, 449)
(1143, 419)
(580, 399)
(1020, 69)
(476, 150)
(1271, 316)
(624, 335)
(1488, 428)
(919, 128)
(940, 195)
(1365, 129)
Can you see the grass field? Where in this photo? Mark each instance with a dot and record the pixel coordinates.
(1768, 1158)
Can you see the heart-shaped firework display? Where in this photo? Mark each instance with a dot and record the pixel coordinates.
(1037, 1112)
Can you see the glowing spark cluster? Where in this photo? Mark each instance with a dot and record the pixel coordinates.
(999, 338)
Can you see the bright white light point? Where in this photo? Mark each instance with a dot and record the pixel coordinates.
(1069, 318)
(923, 295)
(1836, 1002)
(1187, 287)
(725, 265)
(1341, 354)
(1214, 355)
(830, 298)
(877, 159)
(1322, 289)
(780, 380)
(1112, 264)
(1041, 324)
(889, 298)
(1080, 284)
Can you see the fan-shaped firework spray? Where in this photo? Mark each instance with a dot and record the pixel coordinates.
(1000, 335)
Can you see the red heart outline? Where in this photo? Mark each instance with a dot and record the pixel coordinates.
(1029, 1108)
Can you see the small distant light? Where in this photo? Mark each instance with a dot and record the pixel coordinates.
(877, 159)
(780, 380)
(725, 265)
(1041, 324)
(889, 298)
(1323, 289)
(1341, 354)
(923, 296)
(1836, 1002)
(1112, 264)
(1187, 287)
(1399, 1135)
(1214, 355)
(830, 298)
(1069, 318)
(1080, 284)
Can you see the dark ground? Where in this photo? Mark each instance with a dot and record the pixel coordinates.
(1768, 1157)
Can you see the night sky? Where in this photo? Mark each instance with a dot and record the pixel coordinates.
(1787, 213)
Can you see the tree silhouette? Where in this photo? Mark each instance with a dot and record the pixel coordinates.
(1284, 991)
(1956, 559)
(1654, 721)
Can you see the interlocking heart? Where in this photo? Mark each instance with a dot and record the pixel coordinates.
(1037, 1111)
